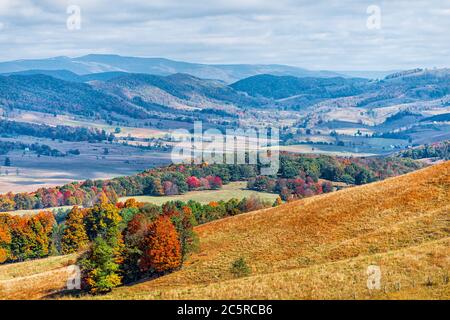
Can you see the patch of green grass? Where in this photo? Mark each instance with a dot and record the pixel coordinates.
(232, 190)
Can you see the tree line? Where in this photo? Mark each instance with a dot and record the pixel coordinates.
(39, 149)
(299, 175)
(170, 180)
(66, 133)
(436, 150)
(179, 179)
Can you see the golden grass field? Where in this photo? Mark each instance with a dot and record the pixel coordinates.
(316, 248)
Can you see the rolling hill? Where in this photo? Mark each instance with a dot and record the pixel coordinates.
(176, 90)
(280, 87)
(47, 94)
(69, 75)
(315, 248)
(114, 93)
(400, 87)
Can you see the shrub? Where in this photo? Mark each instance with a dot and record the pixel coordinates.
(239, 268)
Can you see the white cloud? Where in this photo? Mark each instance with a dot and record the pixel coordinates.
(312, 34)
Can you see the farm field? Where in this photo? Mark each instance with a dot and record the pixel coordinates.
(30, 172)
(65, 120)
(232, 190)
(315, 248)
(354, 146)
(30, 212)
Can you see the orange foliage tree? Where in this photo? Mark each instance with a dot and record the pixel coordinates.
(162, 249)
(5, 241)
(30, 236)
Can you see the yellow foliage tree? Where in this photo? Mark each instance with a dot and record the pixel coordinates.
(75, 237)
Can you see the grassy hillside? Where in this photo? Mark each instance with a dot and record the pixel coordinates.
(320, 247)
(34, 279)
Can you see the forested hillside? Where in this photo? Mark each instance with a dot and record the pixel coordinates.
(67, 133)
(47, 94)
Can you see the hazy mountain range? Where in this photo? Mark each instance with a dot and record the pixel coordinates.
(97, 63)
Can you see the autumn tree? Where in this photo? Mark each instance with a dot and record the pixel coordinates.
(103, 220)
(41, 226)
(30, 236)
(132, 203)
(6, 204)
(162, 249)
(134, 237)
(277, 202)
(101, 263)
(5, 241)
(184, 222)
(74, 236)
(100, 267)
(193, 182)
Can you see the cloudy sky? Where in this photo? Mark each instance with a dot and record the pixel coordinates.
(314, 34)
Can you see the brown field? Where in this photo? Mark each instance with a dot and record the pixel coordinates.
(66, 120)
(30, 172)
(34, 279)
(320, 247)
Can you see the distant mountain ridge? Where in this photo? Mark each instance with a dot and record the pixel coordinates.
(67, 75)
(408, 86)
(99, 63)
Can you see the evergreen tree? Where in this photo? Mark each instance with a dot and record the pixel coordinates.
(100, 267)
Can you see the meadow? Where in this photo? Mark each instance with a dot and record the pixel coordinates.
(232, 190)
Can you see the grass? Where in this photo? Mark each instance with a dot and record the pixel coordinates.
(33, 211)
(34, 279)
(321, 247)
(229, 191)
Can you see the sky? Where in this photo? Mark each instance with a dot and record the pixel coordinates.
(319, 35)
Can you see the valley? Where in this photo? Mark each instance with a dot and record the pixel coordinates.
(362, 180)
(335, 115)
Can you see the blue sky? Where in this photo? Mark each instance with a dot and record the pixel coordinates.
(316, 34)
